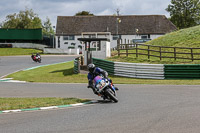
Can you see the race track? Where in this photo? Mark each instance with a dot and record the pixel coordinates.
(141, 108)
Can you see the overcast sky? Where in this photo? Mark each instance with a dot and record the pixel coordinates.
(54, 8)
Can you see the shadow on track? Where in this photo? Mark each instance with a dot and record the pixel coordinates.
(104, 101)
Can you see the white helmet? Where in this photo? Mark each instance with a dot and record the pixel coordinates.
(91, 68)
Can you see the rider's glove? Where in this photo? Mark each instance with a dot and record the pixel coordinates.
(105, 75)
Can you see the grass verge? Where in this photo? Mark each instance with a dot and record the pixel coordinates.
(26, 103)
(58, 73)
(63, 73)
(17, 51)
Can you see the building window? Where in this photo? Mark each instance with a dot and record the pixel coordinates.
(94, 46)
(71, 37)
(92, 36)
(71, 47)
(115, 37)
(68, 37)
(65, 38)
(144, 36)
(79, 46)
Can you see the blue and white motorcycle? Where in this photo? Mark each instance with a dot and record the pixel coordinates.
(105, 89)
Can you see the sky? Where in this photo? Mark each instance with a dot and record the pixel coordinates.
(54, 8)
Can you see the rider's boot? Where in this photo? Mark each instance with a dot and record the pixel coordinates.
(116, 88)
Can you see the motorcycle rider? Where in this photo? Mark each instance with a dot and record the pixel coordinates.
(37, 55)
(33, 56)
(93, 72)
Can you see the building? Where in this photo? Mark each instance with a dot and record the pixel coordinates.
(129, 27)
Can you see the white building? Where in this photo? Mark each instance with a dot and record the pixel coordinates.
(131, 27)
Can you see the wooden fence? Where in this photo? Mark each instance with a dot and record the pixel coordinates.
(158, 51)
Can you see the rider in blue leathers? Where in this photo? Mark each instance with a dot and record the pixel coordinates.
(93, 72)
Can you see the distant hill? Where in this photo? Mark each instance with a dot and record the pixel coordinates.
(189, 37)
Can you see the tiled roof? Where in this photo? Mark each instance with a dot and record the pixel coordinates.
(146, 24)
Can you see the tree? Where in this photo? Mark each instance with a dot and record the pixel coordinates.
(27, 20)
(84, 13)
(184, 13)
(24, 20)
(47, 28)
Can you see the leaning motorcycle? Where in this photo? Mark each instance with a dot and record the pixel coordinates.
(105, 89)
(36, 58)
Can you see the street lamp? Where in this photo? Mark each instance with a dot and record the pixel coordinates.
(118, 21)
(136, 32)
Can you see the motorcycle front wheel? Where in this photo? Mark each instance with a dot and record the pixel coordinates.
(111, 95)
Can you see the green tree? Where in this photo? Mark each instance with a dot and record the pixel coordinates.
(47, 28)
(27, 20)
(84, 13)
(11, 21)
(23, 20)
(184, 13)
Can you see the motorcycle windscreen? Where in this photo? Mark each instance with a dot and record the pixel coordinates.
(97, 79)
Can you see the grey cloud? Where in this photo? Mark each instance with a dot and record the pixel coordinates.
(54, 8)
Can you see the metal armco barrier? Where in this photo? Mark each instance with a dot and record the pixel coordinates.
(106, 65)
(149, 71)
(134, 70)
(178, 71)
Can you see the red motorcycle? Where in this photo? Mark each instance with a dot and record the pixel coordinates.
(36, 58)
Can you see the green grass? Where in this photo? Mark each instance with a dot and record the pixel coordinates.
(17, 51)
(26, 103)
(63, 73)
(58, 73)
(189, 37)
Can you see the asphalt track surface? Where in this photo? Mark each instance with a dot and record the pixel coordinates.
(141, 108)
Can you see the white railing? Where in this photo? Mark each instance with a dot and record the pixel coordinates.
(136, 70)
